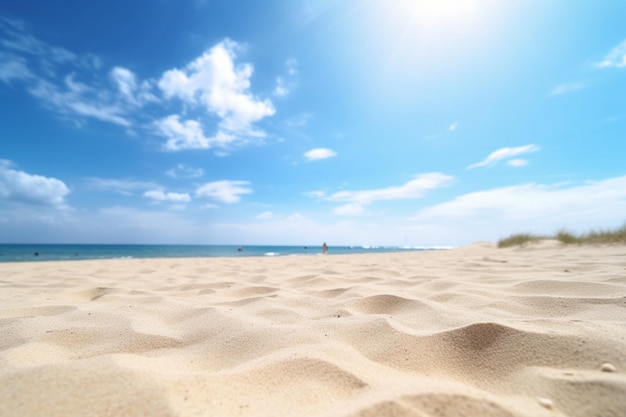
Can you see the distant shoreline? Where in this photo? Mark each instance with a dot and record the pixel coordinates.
(74, 252)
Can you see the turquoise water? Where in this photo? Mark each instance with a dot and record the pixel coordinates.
(50, 252)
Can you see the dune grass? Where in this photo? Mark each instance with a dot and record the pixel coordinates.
(593, 237)
(519, 240)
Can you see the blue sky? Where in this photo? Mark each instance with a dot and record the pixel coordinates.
(379, 122)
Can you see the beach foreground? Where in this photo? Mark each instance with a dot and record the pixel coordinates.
(473, 331)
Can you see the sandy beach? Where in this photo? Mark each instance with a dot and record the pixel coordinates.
(473, 331)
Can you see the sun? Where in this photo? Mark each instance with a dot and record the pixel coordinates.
(432, 15)
(435, 9)
(414, 42)
(408, 25)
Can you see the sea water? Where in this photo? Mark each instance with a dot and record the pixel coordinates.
(64, 252)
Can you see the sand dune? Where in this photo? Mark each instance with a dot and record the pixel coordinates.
(474, 331)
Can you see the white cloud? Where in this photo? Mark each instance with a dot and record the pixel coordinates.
(292, 66)
(319, 153)
(125, 80)
(517, 162)
(504, 153)
(567, 88)
(312, 232)
(184, 171)
(284, 85)
(13, 68)
(315, 194)
(616, 58)
(125, 187)
(266, 215)
(413, 189)
(350, 209)
(51, 75)
(221, 87)
(135, 93)
(188, 135)
(177, 207)
(210, 206)
(529, 208)
(453, 126)
(73, 100)
(281, 89)
(126, 224)
(298, 121)
(225, 191)
(24, 188)
(72, 85)
(16, 39)
(160, 195)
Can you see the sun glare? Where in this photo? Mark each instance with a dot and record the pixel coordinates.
(435, 12)
(420, 32)
(432, 18)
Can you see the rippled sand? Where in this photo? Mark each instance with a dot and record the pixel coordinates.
(474, 331)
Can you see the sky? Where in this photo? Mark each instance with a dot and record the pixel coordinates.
(351, 122)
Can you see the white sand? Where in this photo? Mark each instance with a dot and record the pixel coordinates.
(475, 331)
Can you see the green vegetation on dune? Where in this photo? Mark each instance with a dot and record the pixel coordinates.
(595, 236)
(519, 239)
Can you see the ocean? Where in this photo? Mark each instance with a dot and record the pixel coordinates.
(65, 252)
